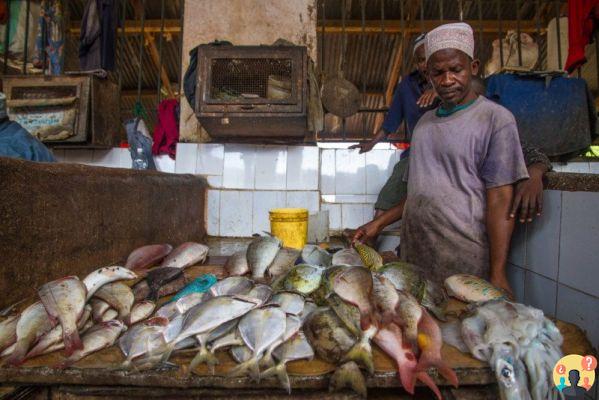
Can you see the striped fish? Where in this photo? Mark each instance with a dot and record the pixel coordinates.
(370, 258)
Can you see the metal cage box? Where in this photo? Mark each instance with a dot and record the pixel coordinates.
(65, 110)
(253, 93)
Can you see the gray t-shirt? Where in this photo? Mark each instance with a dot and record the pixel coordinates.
(453, 161)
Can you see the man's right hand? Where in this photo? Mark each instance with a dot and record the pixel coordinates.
(367, 232)
(364, 147)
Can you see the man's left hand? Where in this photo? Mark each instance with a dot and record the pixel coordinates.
(528, 195)
(427, 98)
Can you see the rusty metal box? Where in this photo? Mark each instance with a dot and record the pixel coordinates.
(252, 93)
(66, 110)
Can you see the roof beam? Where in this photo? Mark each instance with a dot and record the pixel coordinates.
(133, 27)
(395, 26)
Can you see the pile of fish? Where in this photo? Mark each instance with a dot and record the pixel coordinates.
(85, 316)
(518, 342)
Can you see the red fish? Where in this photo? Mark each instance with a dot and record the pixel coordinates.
(146, 256)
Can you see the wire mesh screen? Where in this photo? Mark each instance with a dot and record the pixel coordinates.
(250, 78)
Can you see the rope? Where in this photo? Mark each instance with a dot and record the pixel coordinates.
(138, 105)
(158, 83)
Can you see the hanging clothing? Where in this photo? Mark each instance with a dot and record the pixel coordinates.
(98, 35)
(166, 131)
(582, 15)
(50, 37)
(16, 142)
(556, 114)
(16, 35)
(138, 137)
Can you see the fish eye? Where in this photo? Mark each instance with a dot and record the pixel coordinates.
(506, 373)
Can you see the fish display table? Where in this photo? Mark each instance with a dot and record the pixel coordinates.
(99, 373)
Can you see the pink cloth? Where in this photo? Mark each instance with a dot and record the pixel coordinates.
(166, 131)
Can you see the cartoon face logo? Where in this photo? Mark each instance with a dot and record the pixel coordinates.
(574, 375)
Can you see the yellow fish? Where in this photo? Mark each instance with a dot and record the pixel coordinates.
(370, 258)
(472, 289)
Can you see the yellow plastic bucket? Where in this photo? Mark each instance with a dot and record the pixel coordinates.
(290, 225)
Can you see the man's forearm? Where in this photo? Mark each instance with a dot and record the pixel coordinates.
(391, 215)
(499, 227)
(380, 135)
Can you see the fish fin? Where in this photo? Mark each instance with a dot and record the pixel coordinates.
(361, 354)
(452, 335)
(425, 362)
(280, 371)
(203, 356)
(72, 342)
(428, 381)
(349, 376)
(168, 351)
(267, 361)
(438, 312)
(406, 376)
(17, 357)
(249, 367)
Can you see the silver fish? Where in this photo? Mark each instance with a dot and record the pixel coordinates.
(349, 257)
(296, 348)
(54, 335)
(303, 279)
(314, 255)
(230, 339)
(60, 345)
(237, 264)
(119, 296)
(292, 327)
(284, 261)
(110, 314)
(142, 339)
(99, 307)
(291, 303)
(261, 293)
(206, 355)
(241, 353)
(146, 256)
(140, 311)
(186, 255)
(261, 253)
(181, 306)
(208, 316)
(33, 323)
(64, 300)
(259, 329)
(97, 338)
(309, 307)
(230, 286)
(102, 276)
(8, 331)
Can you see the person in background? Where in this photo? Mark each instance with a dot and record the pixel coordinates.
(413, 97)
(17, 142)
(464, 161)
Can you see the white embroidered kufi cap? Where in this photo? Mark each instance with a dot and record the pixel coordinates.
(450, 36)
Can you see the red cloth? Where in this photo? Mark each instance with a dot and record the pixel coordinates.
(166, 131)
(581, 22)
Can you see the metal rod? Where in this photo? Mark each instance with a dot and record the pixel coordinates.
(559, 36)
(121, 46)
(461, 9)
(480, 34)
(404, 37)
(160, 40)
(180, 66)
(421, 16)
(324, 22)
(500, 32)
(26, 45)
(362, 66)
(441, 10)
(518, 42)
(43, 46)
(597, 53)
(7, 38)
(141, 49)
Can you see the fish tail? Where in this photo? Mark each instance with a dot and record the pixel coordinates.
(168, 351)
(18, 355)
(361, 353)
(203, 356)
(267, 361)
(407, 377)
(349, 376)
(428, 381)
(280, 371)
(426, 362)
(249, 367)
(72, 342)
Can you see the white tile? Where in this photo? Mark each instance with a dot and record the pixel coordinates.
(78, 156)
(215, 181)
(517, 254)
(379, 166)
(271, 167)
(318, 227)
(558, 166)
(240, 166)
(334, 215)
(186, 158)
(308, 200)
(124, 158)
(352, 216)
(350, 172)
(515, 276)
(210, 159)
(264, 201)
(213, 213)
(594, 166)
(543, 237)
(540, 292)
(235, 213)
(387, 243)
(106, 158)
(368, 210)
(580, 309)
(164, 163)
(302, 167)
(579, 167)
(345, 198)
(371, 198)
(327, 172)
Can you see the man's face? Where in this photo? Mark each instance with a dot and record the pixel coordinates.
(420, 60)
(450, 72)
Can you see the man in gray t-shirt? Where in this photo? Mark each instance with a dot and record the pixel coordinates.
(464, 160)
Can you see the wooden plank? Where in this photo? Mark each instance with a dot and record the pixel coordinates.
(133, 27)
(166, 82)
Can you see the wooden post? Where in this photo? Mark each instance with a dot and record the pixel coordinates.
(151, 44)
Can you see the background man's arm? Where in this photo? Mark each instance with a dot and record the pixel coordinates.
(374, 227)
(499, 230)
